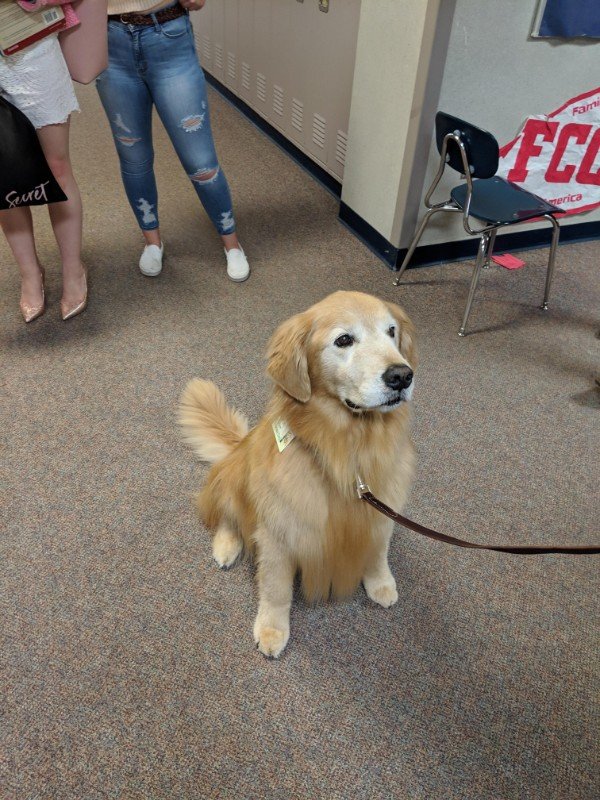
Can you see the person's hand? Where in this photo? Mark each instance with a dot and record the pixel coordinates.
(192, 5)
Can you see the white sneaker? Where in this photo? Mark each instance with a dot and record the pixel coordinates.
(238, 268)
(151, 260)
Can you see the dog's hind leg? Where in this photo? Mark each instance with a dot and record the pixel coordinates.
(378, 580)
(276, 571)
(226, 546)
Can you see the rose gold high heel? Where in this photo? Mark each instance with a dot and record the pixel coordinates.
(69, 313)
(33, 312)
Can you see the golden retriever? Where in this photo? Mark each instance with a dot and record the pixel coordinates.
(286, 490)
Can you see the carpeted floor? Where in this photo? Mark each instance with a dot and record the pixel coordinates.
(128, 667)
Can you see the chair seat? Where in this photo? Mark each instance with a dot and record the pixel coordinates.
(498, 201)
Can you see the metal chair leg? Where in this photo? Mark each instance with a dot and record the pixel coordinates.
(483, 246)
(415, 242)
(490, 249)
(551, 260)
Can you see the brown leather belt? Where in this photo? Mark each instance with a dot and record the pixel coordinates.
(524, 550)
(165, 15)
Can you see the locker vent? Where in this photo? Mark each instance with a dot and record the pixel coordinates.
(261, 87)
(297, 114)
(219, 56)
(245, 75)
(231, 65)
(319, 130)
(278, 100)
(206, 48)
(340, 147)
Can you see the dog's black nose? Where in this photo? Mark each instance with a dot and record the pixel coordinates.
(398, 376)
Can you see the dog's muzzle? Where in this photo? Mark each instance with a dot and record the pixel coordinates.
(398, 377)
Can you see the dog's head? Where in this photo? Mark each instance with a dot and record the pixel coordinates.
(350, 346)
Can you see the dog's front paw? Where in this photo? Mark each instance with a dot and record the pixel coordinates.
(226, 547)
(383, 593)
(271, 641)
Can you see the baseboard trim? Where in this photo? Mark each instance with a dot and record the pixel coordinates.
(465, 248)
(318, 173)
(374, 240)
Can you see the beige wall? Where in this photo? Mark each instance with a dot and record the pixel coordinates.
(394, 49)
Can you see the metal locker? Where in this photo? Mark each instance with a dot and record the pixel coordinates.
(260, 64)
(329, 68)
(202, 23)
(291, 63)
(245, 52)
(279, 42)
(217, 32)
(296, 80)
(231, 13)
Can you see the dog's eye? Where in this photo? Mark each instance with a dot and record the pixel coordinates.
(345, 340)
(392, 331)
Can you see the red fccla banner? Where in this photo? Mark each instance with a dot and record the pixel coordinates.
(557, 156)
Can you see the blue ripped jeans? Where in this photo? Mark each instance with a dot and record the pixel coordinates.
(157, 65)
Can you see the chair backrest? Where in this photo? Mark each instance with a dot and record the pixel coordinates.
(480, 146)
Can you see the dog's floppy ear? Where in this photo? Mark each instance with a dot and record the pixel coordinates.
(408, 338)
(287, 359)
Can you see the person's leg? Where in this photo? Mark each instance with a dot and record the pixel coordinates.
(128, 106)
(66, 217)
(17, 225)
(172, 61)
(192, 138)
(37, 82)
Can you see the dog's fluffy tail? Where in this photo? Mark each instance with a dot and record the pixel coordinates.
(209, 425)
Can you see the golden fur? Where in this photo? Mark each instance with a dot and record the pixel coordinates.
(297, 510)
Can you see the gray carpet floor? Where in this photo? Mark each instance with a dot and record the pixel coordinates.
(128, 667)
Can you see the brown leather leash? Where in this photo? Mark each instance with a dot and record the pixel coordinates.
(364, 493)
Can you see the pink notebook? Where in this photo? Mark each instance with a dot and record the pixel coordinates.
(85, 47)
(508, 262)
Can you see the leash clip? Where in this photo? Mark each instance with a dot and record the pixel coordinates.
(361, 487)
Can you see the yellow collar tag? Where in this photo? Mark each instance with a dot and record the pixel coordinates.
(283, 434)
